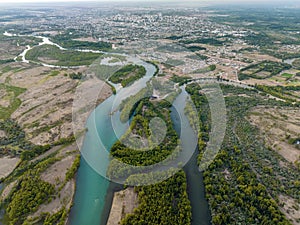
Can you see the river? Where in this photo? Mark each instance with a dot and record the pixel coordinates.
(91, 188)
(196, 190)
(94, 193)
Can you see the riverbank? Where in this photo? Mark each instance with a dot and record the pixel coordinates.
(124, 202)
(195, 185)
(7, 165)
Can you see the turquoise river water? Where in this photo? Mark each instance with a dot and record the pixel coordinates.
(94, 193)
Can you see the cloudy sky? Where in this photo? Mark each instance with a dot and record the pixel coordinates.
(199, 1)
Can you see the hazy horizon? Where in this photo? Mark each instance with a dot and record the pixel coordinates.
(162, 1)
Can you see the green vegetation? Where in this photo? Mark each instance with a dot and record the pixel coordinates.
(53, 55)
(261, 38)
(71, 171)
(165, 87)
(66, 41)
(65, 141)
(58, 218)
(54, 73)
(128, 74)
(174, 62)
(14, 142)
(205, 69)
(128, 106)
(4, 61)
(245, 180)
(47, 127)
(6, 69)
(195, 48)
(287, 75)
(103, 72)
(11, 96)
(296, 64)
(34, 151)
(31, 192)
(156, 67)
(76, 76)
(279, 54)
(174, 37)
(284, 93)
(22, 41)
(207, 41)
(159, 203)
(180, 80)
(197, 56)
(162, 203)
(144, 112)
(191, 114)
(112, 88)
(263, 70)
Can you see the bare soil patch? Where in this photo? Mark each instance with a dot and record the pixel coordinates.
(278, 126)
(6, 191)
(7, 165)
(124, 203)
(291, 209)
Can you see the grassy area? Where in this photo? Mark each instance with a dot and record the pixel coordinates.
(6, 69)
(53, 55)
(284, 93)
(205, 69)
(22, 41)
(207, 41)
(180, 80)
(128, 74)
(66, 41)
(287, 75)
(4, 61)
(54, 73)
(263, 70)
(12, 94)
(174, 62)
(197, 56)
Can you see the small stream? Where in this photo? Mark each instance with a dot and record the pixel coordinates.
(45, 41)
(196, 190)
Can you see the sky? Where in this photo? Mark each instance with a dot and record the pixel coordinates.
(199, 1)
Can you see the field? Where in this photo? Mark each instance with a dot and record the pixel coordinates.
(68, 41)
(263, 70)
(281, 129)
